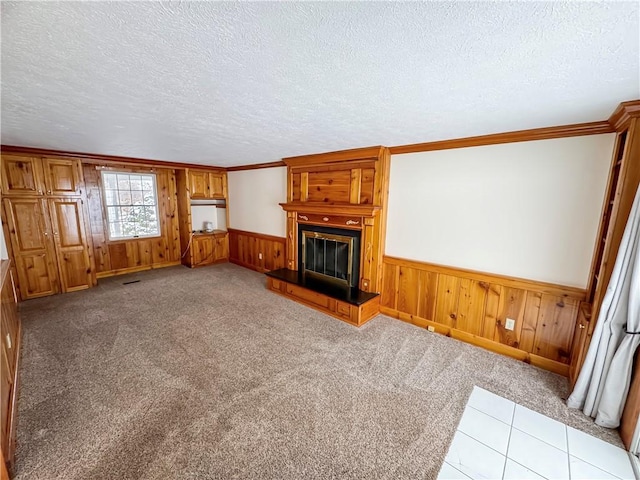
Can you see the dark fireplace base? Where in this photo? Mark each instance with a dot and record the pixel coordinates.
(348, 304)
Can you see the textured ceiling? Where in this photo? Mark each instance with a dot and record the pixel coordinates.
(236, 83)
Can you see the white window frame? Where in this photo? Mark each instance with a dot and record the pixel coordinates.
(106, 204)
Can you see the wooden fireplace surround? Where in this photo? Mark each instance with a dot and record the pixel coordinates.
(346, 189)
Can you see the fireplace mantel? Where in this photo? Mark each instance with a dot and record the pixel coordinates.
(332, 209)
(347, 189)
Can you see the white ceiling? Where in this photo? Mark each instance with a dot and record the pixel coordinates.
(237, 83)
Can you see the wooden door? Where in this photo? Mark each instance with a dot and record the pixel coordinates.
(203, 250)
(216, 182)
(198, 184)
(21, 176)
(32, 246)
(62, 176)
(72, 249)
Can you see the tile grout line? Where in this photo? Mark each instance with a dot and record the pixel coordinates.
(543, 441)
(606, 470)
(489, 415)
(482, 443)
(506, 456)
(511, 428)
(457, 470)
(566, 436)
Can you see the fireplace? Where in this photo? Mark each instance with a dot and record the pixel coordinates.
(329, 254)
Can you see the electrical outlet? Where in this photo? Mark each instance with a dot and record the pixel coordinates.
(431, 329)
(260, 256)
(510, 324)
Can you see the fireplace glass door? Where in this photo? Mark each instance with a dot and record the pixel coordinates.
(328, 255)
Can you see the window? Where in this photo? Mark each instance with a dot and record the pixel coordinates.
(132, 204)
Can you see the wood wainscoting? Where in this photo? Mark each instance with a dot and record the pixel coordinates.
(257, 251)
(473, 307)
(133, 255)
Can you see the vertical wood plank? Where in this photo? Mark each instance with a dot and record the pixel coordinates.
(428, 282)
(304, 186)
(408, 290)
(530, 321)
(491, 311)
(354, 188)
(447, 299)
(388, 294)
(471, 304)
(555, 328)
(512, 303)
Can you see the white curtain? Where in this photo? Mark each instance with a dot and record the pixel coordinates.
(603, 384)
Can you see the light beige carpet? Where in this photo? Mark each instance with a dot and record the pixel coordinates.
(196, 374)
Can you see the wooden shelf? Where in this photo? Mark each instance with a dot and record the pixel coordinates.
(331, 208)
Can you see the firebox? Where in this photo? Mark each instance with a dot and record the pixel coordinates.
(331, 254)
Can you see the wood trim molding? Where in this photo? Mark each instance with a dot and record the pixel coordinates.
(123, 271)
(331, 157)
(101, 159)
(621, 117)
(256, 166)
(514, 282)
(531, 358)
(546, 133)
(334, 209)
(264, 236)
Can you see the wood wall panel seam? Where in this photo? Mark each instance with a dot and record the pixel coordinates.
(545, 133)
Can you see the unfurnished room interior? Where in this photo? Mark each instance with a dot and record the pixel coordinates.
(320, 240)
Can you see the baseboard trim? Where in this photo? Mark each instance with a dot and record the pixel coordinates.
(124, 271)
(496, 347)
(235, 261)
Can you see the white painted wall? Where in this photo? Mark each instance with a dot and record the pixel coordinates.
(254, 196)
(528, 209)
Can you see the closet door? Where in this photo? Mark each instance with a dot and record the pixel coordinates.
(32, 245)
(72, 248)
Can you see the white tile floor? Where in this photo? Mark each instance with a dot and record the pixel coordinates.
(498, 439)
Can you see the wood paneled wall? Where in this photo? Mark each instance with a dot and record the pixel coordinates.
(246, 248)
(473, 307)
(125, 256)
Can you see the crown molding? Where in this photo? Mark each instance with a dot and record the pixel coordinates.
(621, 117)
(255, 166)
(546, 133)
(339, 156)
(98, 158)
